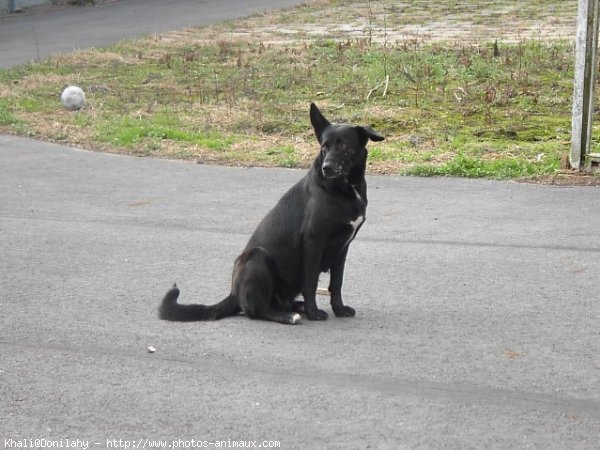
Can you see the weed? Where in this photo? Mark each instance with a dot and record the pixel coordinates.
(450, 101)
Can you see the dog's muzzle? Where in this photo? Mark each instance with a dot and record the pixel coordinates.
(330, 170)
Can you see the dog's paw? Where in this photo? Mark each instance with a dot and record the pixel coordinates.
(319, 315)
(295, 318)
(344, 311)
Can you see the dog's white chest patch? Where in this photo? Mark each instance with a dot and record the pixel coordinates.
(355, 224)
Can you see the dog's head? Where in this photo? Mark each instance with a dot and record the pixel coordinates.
(343, 147)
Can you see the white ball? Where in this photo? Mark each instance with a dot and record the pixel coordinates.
(73, 98)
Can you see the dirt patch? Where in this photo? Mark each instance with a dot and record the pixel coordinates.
(448, 21)
(571, 178)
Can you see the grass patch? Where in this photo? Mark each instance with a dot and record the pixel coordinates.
(7, 118)
(281, 156)
(129, 132)
(465, 166)
(452, 104)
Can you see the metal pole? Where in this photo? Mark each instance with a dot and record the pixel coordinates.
(585, 76)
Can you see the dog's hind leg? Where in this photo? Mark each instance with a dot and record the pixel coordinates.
(257, 296)
(254, 285)
(286, 318)
(297, 306)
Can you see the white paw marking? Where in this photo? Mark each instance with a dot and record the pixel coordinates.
(296, 318)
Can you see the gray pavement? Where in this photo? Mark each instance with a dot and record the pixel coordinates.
(31, 37)
(477, 311)
(476, 327)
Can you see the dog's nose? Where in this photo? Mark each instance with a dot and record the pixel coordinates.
(328, 169)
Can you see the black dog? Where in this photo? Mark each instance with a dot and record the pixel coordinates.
(306, 233)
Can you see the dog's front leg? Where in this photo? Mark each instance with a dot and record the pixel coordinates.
(312, 263)
(335, 288)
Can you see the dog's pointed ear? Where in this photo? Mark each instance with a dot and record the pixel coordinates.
(367, 133)
(319, 122)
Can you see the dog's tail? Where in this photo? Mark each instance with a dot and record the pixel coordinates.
(171, 310)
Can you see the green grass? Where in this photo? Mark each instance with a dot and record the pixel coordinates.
(281, 156)
(448, 107)
(129, 132)
(465, 166)
(7, 118)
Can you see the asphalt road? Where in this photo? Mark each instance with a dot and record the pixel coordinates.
(32, 37)
(477, 313)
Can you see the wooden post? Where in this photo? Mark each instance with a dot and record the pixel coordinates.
(585, 77)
